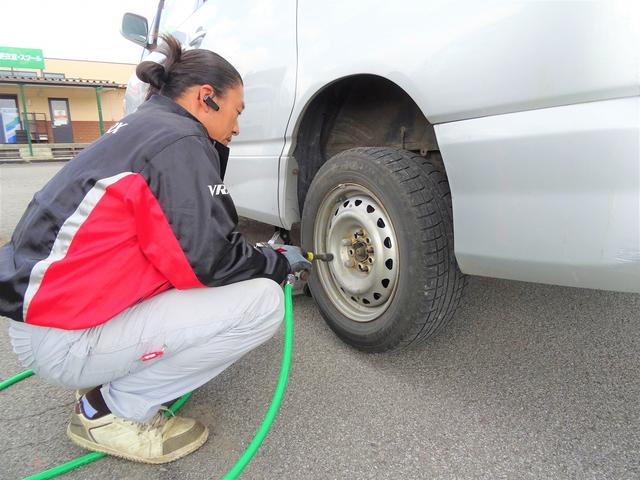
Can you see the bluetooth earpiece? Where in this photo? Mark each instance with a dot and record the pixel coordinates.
(209, 101)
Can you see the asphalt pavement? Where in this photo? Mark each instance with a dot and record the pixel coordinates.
(528, 382)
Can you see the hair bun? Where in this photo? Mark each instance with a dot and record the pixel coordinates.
(182, 69)
(152, 73)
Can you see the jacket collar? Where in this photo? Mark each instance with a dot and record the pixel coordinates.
(169, 105)
(223, 153)
(165, 103)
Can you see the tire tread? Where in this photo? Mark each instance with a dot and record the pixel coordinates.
(423, 181)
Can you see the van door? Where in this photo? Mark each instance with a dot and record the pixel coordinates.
(259, 39)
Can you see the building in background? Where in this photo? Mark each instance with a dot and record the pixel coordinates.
(56, 104)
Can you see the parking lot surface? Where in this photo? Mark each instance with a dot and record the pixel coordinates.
(528, 382)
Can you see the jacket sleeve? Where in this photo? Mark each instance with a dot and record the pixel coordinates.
(184, 179)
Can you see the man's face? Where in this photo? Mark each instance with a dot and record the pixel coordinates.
(222, 124)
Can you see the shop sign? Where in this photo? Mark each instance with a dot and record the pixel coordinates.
(21, 58)
(53, 76)
(17, 74)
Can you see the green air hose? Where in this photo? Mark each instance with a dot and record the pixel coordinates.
(17, 378)
(257, 439)
(279, 393)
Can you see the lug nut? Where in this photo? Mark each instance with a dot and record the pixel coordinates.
(369, 249)
(363, 268)
(367, 240)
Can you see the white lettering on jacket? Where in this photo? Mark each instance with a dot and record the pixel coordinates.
(219, 189)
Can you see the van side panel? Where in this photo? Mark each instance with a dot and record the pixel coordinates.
(550, 195)
(461, 59)
(259, 39)
(536, 111)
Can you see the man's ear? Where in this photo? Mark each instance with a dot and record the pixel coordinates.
(208, 93)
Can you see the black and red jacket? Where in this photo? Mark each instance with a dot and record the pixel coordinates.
(141, 210)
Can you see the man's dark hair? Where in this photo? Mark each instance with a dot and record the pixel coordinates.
(183, 69)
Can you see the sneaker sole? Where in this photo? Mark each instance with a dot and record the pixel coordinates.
(95, 447)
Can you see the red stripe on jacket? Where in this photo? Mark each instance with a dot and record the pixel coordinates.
(123, 253)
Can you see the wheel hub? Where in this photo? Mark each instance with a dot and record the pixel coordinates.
(360, 235)
(357, 248)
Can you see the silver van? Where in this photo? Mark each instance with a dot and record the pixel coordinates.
(419, 141)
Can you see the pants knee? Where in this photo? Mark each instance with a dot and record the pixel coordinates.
(270, 305)
(275, 298)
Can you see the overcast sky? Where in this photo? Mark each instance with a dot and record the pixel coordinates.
(77, 29)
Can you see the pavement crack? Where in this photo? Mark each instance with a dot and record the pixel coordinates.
(32, 444)
(37, 414)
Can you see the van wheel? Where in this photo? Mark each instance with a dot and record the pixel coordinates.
(385, 215)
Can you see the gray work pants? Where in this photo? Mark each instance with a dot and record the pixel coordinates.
(156, 350)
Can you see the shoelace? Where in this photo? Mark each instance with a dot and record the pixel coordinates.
(156, 422)
(164, 411)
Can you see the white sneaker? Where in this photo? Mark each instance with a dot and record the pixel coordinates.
(160, 440)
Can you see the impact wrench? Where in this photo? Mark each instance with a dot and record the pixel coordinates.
(323, 257)
(313, 257)
(260, 435)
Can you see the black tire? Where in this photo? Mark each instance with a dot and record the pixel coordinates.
(412, 193)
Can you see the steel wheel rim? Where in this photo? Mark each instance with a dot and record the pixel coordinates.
(353, 225)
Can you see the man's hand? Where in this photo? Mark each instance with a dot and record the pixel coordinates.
(294, 256)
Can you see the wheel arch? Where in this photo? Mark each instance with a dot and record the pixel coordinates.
(339, 117)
